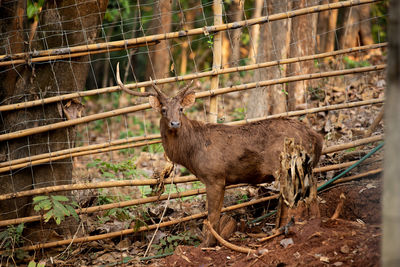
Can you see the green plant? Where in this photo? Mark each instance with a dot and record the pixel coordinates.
(10, 239)
(34, 264)
(239, 114)
(168, 244)
(33, 9)
(350, 64)
(118, 170)
(11, 236)
(56, 209)
(242, 198)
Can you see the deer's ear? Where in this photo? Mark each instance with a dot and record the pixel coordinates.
(188, 100)
(155, 103)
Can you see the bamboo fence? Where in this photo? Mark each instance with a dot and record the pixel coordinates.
(121, 111)
(108, 184)
(122, 44)
(146, 182)
(188, 77)
(143, 228)
(172, 222)
(34, 59)
(120, 204)
(112, 145)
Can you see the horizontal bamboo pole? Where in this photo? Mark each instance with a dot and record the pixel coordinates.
(111, 89)
(78, 154)
(337, 166)
(357, 176)
(312, 110)
(108, 184)
(356, 143)
(143, 228)
(93, 149)
(121, 204)
(97, 185)
(184, 33)
(71, 55)
(165, 224)
(70, 151)
(116, 112)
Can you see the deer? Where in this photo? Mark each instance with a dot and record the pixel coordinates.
(219, 154)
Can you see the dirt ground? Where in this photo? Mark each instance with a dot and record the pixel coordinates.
(351, 240)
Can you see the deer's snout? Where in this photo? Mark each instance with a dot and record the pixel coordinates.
(175, 124)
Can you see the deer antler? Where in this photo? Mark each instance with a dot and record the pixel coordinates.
(125, 89)
(157, 89)
(184, 90)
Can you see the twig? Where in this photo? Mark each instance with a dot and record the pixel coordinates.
(226, 243)
(375, 123)
(172, 175)
(282, 230)
(339, 207)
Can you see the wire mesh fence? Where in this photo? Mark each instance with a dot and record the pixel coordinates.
(66, 127)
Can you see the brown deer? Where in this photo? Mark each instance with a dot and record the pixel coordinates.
(220, 155)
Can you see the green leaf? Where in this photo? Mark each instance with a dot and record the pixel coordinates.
(32, 264)
(60, 208)
(43, 205)
(39, 198)
(72, 212)
(60, 198)
(48, 215)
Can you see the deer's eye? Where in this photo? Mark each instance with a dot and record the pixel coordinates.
(164, 111)
(180, 110)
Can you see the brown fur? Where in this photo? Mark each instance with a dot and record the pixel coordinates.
(220, 155)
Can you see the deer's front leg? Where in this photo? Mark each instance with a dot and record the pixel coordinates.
(215, 199)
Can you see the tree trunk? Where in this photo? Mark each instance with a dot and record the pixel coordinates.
(235, 14)
(188, 24)
(255, 32)
(327, 21)
(158, 65)
(302, 42)
(297, 185)
(391, 182)
(274, 42)
(356, 27)
(61, 24)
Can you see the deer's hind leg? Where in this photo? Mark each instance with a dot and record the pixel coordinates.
(215, 199)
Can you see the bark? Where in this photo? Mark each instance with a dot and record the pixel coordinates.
(188, 24)
(391, 186)
(255, 32)
(302, 42)
(356, 27)
(327, 21)
(297, 185)
(61, 24)
(274, 41)
(159, 55)
(235, 14)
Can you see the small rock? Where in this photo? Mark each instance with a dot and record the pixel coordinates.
(345, 249)
(262, 251)
(286, 242)
(297, 255)
(338, 263)
(324, 259)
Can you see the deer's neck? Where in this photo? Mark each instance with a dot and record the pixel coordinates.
(183, 143)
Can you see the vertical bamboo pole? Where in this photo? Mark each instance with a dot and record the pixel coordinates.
(217, 55)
